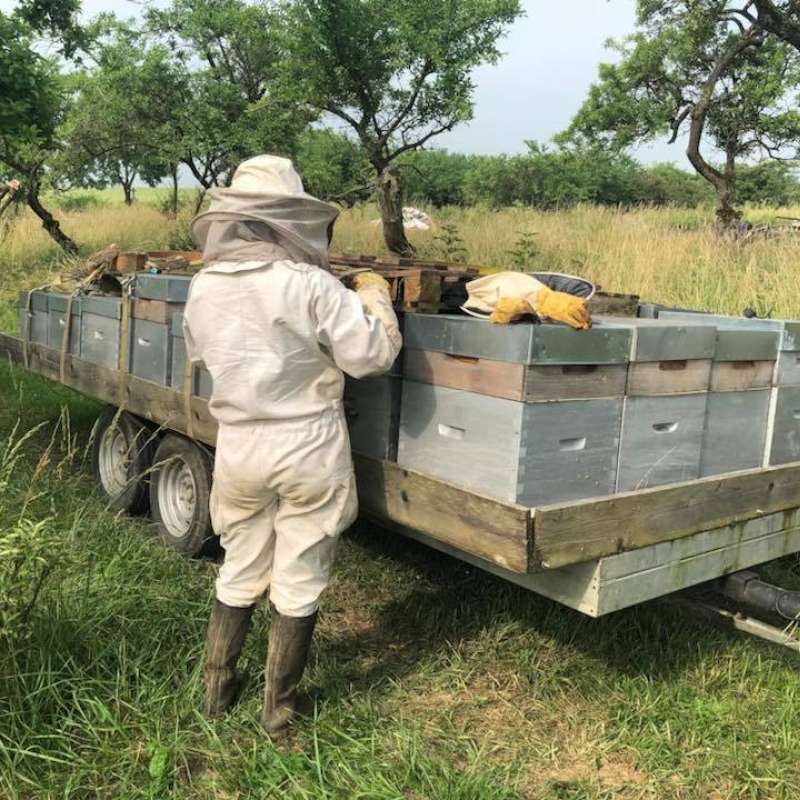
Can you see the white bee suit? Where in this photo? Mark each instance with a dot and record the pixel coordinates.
(276, 333)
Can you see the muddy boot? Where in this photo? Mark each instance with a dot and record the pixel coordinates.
(227, 629)
(287, 654)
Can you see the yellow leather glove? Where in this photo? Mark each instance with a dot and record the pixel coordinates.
(362, 280)
(545, 302)
(509, 309)
(562, 307)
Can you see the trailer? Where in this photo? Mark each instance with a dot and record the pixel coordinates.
(153, 447)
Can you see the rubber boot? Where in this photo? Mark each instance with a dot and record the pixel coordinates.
(227, 630)
(287, 654)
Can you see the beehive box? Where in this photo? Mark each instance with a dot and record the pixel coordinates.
(528, 453)
(202, 383)
(161, 286)
(372, 409)
(526, 363)
(100, 330)
(737, 414)
(784, 436)
(664, 410)
(150, 351)
(33, 317)
(788, 367)
(57, 305)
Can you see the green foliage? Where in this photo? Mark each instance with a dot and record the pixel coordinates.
(772, 183)
(435, 176)
(333, 167)
(447, 245)
(700, 67)
(524, 251)
(220, 60)
(397, 73)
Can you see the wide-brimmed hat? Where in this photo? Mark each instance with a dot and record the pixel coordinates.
(267, 189)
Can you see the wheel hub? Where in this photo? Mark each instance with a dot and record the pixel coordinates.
(177, 497)
(114, 461)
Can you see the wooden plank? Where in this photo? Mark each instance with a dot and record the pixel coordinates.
(160, 404)
(585, 529)
(575, 381)
(614, 305)
(739, 376)
(669, 377)
(681, 573)
(154, 310)
(481, 375)
(422, 291)
(482, 526)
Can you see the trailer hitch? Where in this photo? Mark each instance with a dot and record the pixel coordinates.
(747, 589)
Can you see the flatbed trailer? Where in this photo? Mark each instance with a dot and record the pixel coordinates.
(596, 555)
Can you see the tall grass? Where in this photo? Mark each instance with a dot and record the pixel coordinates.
(672, 256)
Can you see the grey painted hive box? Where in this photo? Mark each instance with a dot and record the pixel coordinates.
(788, 369)
(372, 408)
(172, 288)
(528, 453)
(100, 330)
(665, 358)
(150, 351)
(785, 440)
(661, 440)
(522, 343)
(735, 431)
(201, 377)
(33, 317)
(57, 322)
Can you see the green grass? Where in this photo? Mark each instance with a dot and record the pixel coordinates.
(438, 681)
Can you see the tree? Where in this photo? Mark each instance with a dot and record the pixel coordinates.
(696, 68)
(33, 100)
(221, 67)
(107, 139)
(397, 73)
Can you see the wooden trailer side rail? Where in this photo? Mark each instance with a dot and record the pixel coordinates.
(515, 538)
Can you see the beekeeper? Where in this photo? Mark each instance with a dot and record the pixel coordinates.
(277, 331)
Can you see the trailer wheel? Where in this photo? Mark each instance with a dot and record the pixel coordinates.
(180, 488)
(122, 453)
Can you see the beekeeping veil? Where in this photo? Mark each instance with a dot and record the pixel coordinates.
(265, 214)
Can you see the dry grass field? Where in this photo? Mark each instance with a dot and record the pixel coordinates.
(439, 681)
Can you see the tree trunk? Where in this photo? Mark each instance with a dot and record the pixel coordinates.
(175, 199)
(127, 188)
(727, 216)
(49, 222)
(390, 200)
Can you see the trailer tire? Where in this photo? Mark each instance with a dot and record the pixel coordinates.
(122, 454)
(180, 489)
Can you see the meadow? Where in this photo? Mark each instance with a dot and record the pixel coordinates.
(438, 681)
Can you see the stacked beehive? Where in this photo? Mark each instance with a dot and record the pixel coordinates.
(541, 414)
(156, 348)
(532, 414)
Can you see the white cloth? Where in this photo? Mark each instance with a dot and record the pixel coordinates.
(276, 339)
(484, 292)
(283, 491)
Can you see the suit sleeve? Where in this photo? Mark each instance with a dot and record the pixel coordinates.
(360, 330)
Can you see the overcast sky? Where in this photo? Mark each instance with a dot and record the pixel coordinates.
(551, 57)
